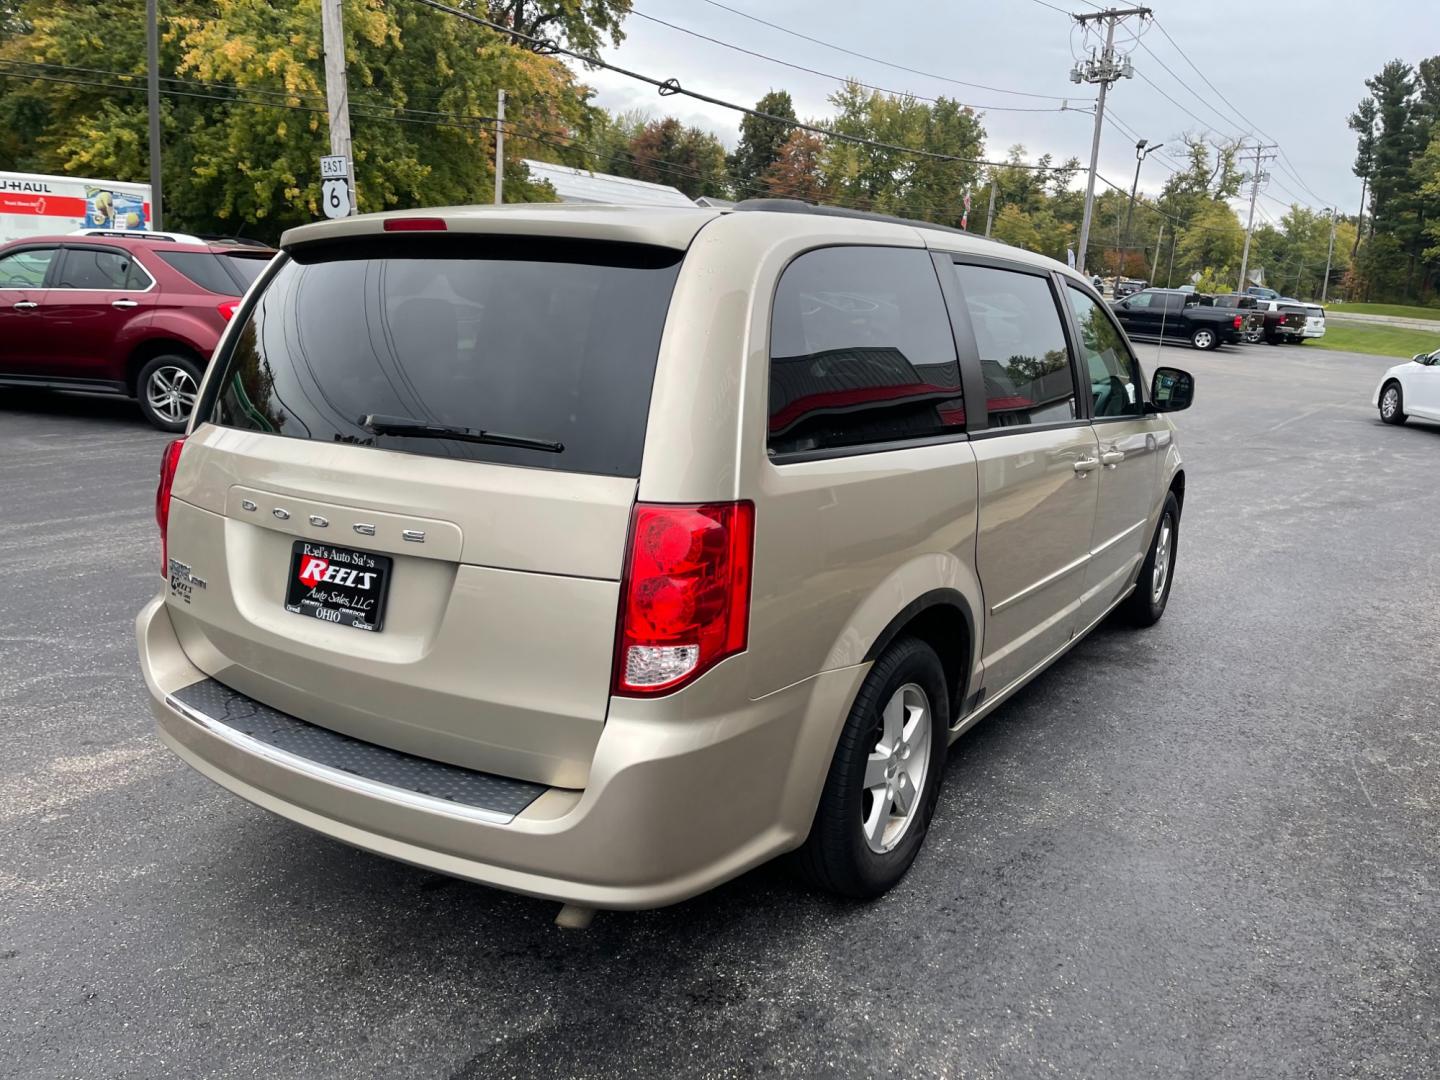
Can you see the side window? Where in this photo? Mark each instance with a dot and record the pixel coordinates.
(861, 351)
(136, 278)
(25, 269)
(1140, 300)
(1023, 355)
(90, 268)
(1114, 389)
(1172, 301)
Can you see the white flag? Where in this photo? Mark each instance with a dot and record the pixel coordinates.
(1070, 257)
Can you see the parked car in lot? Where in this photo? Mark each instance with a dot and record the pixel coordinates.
(1314, 321)
(116, 312)
(1127, 286)
(1160, 314)
(1411, 389)
(604, 553)
(1284, 321)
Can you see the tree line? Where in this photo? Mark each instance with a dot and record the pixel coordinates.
(243, 119)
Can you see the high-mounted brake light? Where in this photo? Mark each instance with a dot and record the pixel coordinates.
(685, 598)
(415, 224)
(169, 462)
(227, 309)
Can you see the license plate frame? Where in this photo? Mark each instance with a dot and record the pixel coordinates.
(355, 593)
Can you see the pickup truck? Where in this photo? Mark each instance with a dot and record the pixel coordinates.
(1285, 320)
(1162, 314)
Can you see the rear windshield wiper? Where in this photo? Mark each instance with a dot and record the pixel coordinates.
(418, 429)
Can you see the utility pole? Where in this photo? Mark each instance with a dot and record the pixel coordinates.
(152, 51)
(1159, 242)
(1360, 219)
(337, 89)
(1255, 178)
(990, 214)
(1329, 253)
(500, 150)
(1104, 70)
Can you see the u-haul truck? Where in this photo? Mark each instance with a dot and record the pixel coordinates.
(32, 204)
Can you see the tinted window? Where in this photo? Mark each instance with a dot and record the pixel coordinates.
(91, 268)
(25, 269)
(1171, 301)
(205, 270)
(1114, 389)
(546, 340)
(244, 268)
(1023, 354)
(861, 351)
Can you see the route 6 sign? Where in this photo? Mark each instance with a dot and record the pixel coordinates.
(335, 198)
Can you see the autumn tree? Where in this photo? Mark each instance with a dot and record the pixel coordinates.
(795, 172)
(244, 111)
(667, 152)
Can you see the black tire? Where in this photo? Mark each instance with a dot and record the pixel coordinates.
(1397, 415)
(1143, 607)
(181, 372)
(836, 856)
(1205, 338)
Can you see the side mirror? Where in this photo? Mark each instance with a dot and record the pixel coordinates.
(1172, 389)
(1421, 358)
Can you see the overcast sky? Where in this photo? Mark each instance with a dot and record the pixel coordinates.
(1295, 69)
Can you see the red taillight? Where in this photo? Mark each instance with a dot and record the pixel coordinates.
(415, 224)
(228, 308)
(685, 599)
(1239, 321)
(169, 461)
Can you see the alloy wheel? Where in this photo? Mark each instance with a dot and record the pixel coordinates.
(171, 393)
(1389, 402)
(896, 771)
(1161, 573)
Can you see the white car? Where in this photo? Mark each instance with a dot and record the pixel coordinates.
(1314, 322)
(1411, 389)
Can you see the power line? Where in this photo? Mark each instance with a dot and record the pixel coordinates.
(839, 78)
(670, 86)
(878, 60)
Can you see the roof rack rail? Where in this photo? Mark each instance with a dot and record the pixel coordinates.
(797, 206)
(242, 241)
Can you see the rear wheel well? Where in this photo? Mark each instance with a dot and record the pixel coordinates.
(1177, 487)
(148, 350)
(940, 620)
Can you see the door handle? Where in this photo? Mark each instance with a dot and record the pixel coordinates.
(1111, 458)
(124, 303)
(26, 305)
(1085, 465)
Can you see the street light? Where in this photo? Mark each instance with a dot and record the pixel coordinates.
(1143, 149)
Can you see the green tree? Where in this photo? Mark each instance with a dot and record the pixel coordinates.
(1211, 241)
(582, 25)
(1014, 227)
(760, 141)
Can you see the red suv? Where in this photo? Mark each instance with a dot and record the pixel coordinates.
(124, 313)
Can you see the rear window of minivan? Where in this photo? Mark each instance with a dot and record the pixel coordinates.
(515, 337)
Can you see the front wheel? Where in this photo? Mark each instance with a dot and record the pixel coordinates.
(1392, 404)
(1204, 338)
(885, 776)
(167, 389)
(1152, 591)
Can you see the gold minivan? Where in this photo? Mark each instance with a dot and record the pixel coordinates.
(603, 553)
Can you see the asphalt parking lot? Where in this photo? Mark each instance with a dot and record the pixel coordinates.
(1205, 850)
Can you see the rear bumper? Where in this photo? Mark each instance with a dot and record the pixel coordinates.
(685, 792)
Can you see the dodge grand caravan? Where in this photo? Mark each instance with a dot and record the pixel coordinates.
(602, 553)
